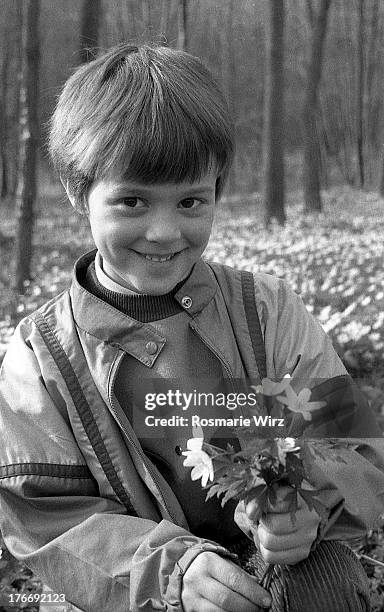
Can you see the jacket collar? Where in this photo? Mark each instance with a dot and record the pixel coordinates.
(99, 319)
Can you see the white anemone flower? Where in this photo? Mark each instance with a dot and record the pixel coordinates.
(270, 387)
(285, 446)
(200, 461)
(300, 403)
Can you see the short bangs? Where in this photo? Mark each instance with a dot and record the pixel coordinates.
(152, 114)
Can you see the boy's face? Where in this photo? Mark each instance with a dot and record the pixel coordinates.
(150, 235)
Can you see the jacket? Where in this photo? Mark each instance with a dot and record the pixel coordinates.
(80, 503)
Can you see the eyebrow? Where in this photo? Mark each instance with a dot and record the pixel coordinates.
(149, 188)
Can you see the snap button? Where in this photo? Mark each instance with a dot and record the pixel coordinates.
(186, 301)
(151, 348)
(178, 450)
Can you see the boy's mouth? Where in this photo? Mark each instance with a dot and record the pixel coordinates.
(158, 258)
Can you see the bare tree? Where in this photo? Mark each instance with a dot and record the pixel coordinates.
(274, 116)
(4, 178)
(14, 99)
(164, 17)
(371, 93)
(124, 22)
(10, 44)
(229, 76)
(360, 93)
(89, 28)
(381, 186)
(146, 15)
(182, 23)
(29, 136)
(312, 157)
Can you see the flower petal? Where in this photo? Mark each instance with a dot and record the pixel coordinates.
(197, 432)
(198, 471)
(304, 395)
(274, 388)
(195, 444)
(194, 457)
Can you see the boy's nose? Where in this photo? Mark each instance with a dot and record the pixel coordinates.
(164, 230)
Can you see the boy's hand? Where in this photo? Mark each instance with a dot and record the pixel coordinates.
(214, 584)
(278, 538)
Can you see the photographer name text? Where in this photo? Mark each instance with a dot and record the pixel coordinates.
(196, 420)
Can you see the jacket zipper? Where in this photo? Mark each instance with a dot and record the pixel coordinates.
(137, 448)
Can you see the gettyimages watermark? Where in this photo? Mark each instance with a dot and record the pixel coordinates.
(167, 408)
(202, 401)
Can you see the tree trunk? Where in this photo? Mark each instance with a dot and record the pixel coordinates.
(29, 136)
(182, 32)
(164, 18)
(4, 173)
(90, 23)
(128, 21)
(146, 15)
(381, 186)
(4, 118)
(311, 157)
(14, 125)
(360, 96)
(228, 54)
(274, 116)
(370, 93)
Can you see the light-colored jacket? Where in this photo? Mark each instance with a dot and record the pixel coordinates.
(80, 503)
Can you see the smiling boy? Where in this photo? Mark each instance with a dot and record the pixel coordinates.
(143, 142)
(150, 236)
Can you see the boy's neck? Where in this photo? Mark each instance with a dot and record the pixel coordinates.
(139, 306)
(107, 282)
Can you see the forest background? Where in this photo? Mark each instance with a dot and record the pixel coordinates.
(304, 80)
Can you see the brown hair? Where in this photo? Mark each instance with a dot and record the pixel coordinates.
(145, 113)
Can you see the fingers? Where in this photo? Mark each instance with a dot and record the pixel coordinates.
(225, 586)
(283, 541)
(279, 524)
(284, 529)
(242, 520)
(284, 497)
(194, 602)
(226, 599)
(281, 505)
(242, 585)
(285, 557)
(276, 542)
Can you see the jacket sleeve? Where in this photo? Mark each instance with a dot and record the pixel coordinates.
(53, 519)
(301, 347)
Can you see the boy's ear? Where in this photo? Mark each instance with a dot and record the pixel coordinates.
(67, 191)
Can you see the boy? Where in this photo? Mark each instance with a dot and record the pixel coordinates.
(143, 142)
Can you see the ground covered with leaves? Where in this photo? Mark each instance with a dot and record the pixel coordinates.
(333, 259)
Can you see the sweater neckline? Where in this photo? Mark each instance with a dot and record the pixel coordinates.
(141, 307)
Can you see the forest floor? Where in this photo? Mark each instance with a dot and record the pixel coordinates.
(333, 259)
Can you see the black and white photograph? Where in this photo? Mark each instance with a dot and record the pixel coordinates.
(192, 305)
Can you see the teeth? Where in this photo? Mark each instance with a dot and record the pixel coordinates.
(156, 258)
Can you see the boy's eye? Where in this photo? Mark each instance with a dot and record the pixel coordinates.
(188, 203)
(132, 202)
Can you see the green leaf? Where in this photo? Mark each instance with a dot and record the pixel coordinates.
(212, 491)
(314, 503)
(233, 491)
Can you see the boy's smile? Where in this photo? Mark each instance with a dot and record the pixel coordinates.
(150, 235)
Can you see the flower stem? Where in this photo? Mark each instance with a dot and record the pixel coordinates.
(374, 561)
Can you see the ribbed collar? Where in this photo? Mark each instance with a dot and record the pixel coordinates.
(102, 320)
(142, 307)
